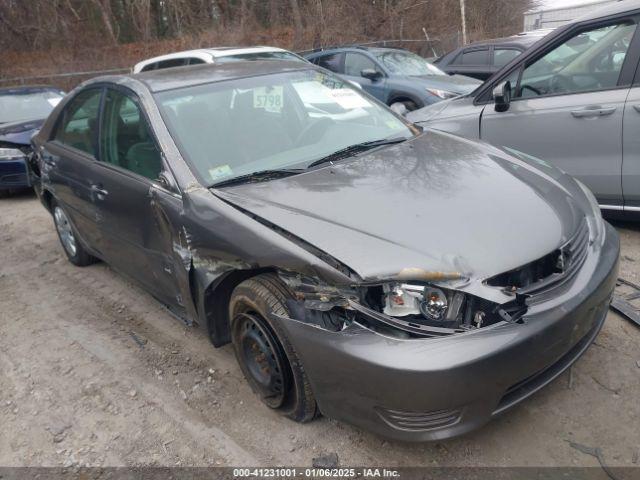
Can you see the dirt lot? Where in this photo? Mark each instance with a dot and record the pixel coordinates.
(93, 371)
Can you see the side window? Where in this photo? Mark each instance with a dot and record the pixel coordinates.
(79, 123)
(151, 66)
(590, 60)
(354, 63)
(502, 56)
(174, 62)
(196, 61)
(331, 62)
(126, 139)
(473, 57)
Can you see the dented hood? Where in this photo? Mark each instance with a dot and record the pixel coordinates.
(437, 204)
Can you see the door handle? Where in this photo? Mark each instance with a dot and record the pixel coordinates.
(637, 107)
(596, 111)
(99, 190)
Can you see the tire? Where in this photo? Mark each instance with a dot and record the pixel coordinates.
(267, 359)
(69, 238)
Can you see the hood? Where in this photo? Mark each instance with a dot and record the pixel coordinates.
(445, 109)
(452, 83)
(20, 133)
(433, 205)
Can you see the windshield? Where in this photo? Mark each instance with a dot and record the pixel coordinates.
(16, 106)
(407, 63)
(286, 120)
(259, 56)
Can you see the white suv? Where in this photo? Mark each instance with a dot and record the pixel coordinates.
(214, 55)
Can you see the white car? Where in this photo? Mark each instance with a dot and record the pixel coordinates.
(214, 55)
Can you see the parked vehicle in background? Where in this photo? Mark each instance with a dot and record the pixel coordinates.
(414, 284)
(214, 55)
(573, 100)
(482, 59)
(22, 113)
(394, 76)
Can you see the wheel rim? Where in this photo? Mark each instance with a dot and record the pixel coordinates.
(64, 230)
(263, 359)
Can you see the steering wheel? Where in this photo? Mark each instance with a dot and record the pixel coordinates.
(560, 84)
(313, 131)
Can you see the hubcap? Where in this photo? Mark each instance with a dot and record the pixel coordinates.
(64, 230)
(263, 358)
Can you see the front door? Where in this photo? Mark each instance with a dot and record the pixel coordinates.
(354, 64)
(631, 152)
(568, 106)
(134, 236)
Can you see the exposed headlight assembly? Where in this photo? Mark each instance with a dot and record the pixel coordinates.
(441, 307)
(441, 93)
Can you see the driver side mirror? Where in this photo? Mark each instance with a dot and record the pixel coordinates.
(371, 74)
(502, 96)
(166, 181)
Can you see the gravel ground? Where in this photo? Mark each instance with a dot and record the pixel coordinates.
(93, 371)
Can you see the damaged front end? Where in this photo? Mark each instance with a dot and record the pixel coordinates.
(399, 309)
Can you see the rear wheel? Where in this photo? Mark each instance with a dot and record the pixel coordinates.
(266, 357)
(68, 238)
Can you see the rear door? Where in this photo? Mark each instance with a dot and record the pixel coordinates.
(567, 107)
(68, 158)
(135, 236)
(354, 64)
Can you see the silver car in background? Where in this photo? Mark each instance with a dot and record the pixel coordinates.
(573, 101)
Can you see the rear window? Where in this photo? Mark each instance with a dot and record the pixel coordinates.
(332, 62)
(473, 57)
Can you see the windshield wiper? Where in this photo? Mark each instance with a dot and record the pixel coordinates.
(353, 149)
(259, 176)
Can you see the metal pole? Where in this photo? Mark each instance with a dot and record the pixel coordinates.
(464, 22)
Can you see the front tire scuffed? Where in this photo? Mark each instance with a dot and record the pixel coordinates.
(254, 301)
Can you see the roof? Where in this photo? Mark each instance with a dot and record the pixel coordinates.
(179, 77)
(211, 53)
(516, 40)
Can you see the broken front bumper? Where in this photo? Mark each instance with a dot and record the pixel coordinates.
(429, 389)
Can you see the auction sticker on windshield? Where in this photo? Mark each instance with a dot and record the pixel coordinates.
(348, 99)
(269, 98)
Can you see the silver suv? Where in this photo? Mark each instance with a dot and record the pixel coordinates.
(572, 100)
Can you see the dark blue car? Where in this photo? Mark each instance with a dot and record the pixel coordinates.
(23, 110)
(399, 78)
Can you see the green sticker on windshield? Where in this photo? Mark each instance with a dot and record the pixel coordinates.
(220, 171)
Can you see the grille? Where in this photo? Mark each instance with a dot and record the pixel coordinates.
(419, 421)
(570, 257)
(550, 272)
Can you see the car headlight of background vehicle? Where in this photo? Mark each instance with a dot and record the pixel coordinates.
(594, 217)
(11, 154)
(441, 93)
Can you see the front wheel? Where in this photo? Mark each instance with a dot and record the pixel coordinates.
(69, 240)
(266, 357)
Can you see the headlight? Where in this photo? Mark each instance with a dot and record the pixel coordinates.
(433, 303)
(11, 154)
(594, 217)
(441, 93)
